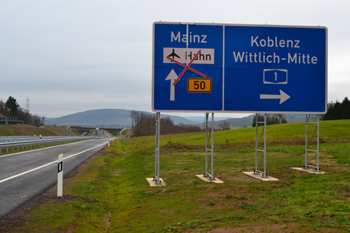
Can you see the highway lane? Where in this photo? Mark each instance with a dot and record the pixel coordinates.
(24, 175)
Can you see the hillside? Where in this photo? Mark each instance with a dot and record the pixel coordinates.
(115, 118)
(28, 130)
(120, 118)
(247, 121)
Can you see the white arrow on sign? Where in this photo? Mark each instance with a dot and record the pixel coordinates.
(172, 76)
(282, 96)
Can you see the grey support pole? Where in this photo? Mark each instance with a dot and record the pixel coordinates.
(207, 137)
(318, 143)
(257, 143)
(206, 144)
(212, 147)
(158, 150)
(156, 176)
(264, 175)
(308, 142)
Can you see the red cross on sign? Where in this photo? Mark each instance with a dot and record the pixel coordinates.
(187, 68)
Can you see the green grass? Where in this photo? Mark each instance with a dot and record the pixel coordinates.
(283, 134)
(27, 130)
(112, 194)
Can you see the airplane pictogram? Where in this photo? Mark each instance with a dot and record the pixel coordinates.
(173, 54)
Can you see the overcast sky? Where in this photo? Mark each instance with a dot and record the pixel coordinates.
(69, 56)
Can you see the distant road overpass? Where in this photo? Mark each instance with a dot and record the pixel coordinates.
(86, 130)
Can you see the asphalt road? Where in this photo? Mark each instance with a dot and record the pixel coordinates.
(25, 175)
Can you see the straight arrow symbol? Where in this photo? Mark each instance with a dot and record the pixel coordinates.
(282, 96)
(172, 76)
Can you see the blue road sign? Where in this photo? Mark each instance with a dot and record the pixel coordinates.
(182, 45)
(281, 69)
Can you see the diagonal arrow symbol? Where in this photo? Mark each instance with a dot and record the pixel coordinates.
(282, 96)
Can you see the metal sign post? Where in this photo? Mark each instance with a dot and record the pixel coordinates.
(208, 133)
(308, 142)
(157, 149)
(257, 143)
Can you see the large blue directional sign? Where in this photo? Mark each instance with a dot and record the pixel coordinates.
(239, 68)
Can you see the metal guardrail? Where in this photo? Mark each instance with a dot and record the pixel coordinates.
(30, 142)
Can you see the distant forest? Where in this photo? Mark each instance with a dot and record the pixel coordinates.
(11, 108)
(337, 110)
(144, 124)
(271, 119)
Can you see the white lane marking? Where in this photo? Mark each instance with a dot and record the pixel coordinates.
(45, 165)
(22, 152)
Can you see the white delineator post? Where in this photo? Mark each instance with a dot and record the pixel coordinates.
(60, 176)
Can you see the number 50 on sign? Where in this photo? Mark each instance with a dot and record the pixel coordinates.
(199, 85)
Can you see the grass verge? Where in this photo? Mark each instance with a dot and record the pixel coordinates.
(111, 193)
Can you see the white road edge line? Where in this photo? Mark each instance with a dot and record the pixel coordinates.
(45, 165)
